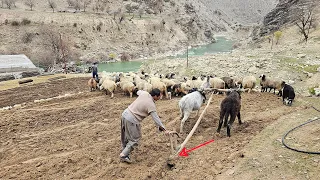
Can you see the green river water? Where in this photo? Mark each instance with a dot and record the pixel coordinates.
(222, 45)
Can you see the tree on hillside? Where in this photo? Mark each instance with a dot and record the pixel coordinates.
(52, 4)
(77, 5)
(56, 45)
(8, 3)
(304, 17)
(100, 5)
(85, 4)
(116, 12)
(70, 3)
(30, 3)
(140, 12)
(277, 36)
(14, 2)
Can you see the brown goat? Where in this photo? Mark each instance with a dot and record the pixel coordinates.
(230, 106)
(229, 82)
(92, 83)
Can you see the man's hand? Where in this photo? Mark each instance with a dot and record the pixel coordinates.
(162, 129)
(166, 132)
(171, 132)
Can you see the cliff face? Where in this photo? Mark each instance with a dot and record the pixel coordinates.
(283, 14)
(279, 16)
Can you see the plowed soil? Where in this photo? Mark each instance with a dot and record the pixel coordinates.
(78, 136)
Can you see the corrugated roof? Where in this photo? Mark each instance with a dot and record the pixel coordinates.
(15, 61)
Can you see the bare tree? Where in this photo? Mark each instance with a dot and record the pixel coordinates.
(77, 5)
(14, 2)
(30, 3)
(56, 45)
(140, 12)
(8, 3)
(117, 12)
(304, 17)
(100, 5)
(52, 4)
(70, 3)
(85, 4)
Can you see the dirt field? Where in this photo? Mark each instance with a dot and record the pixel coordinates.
(78, 136)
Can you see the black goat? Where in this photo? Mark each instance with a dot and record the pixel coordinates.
(230, 106)
(287, 94)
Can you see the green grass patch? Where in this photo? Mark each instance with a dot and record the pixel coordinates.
(251, 56)
(298, 65)
(316, 39)
(288, 60)
(302, 67)
(137, 17)
(311, 68)
(311, 90)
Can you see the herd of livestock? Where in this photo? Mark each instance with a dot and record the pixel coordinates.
(193, 90)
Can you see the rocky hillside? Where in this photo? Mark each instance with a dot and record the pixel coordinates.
(284, 13)
(131, 29)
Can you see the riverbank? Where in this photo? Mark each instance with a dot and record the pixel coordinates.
(221, 44)
(295, 63)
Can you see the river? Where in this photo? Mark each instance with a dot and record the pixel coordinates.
(221, 45)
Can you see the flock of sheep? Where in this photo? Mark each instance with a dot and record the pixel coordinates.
(193, 91)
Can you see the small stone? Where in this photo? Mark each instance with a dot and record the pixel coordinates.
(38, 164)
(218, 165)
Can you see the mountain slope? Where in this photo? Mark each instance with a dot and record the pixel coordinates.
(114, 31)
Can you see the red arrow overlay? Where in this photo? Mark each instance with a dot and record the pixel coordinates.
(184, 151)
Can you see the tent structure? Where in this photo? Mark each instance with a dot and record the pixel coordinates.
(16, 63)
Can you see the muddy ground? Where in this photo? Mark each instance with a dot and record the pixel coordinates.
(78, 136)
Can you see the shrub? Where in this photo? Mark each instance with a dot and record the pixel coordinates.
(74, 24)
(277, 36)
(236, 45)
(125, 57)
(6, 22)
(112, 56)
(99, 26)
(311, 90)
(25, 21)
(27, 37)
(15, 23)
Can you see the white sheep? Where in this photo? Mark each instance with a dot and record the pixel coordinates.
(147, 87)
(249, 82)
(127, 86)
(125, 77)
(157, 83)
(196, 82)
(169, 84)
(217, 83)
(162, 87)
(109, 85)
(188, 103)
(143, 85)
